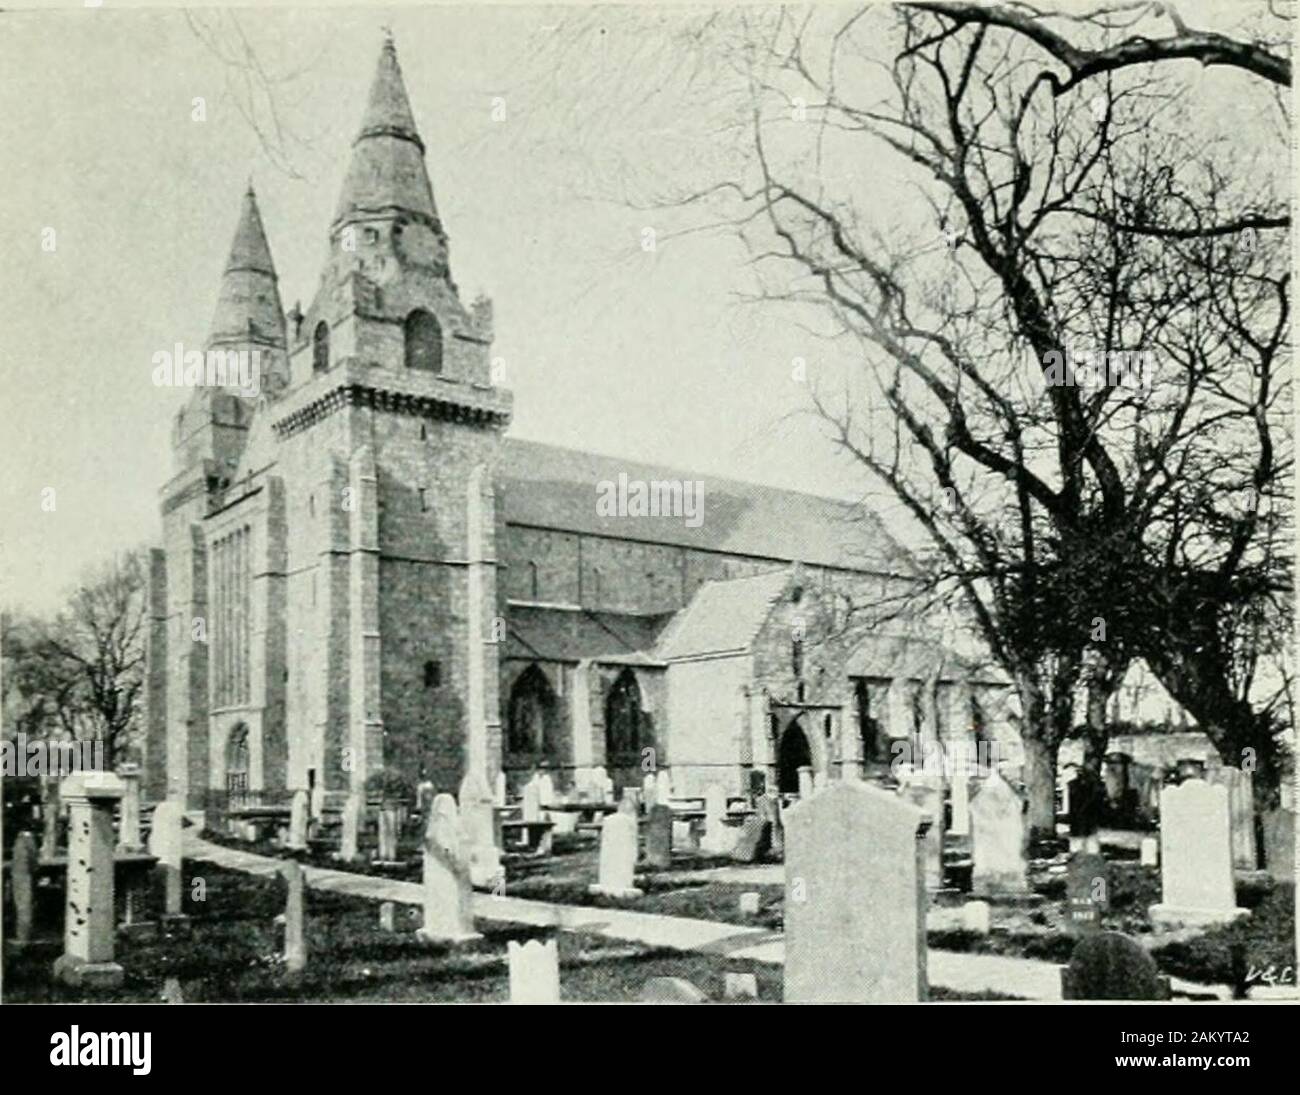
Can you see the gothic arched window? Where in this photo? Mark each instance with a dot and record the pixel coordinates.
(623, 722)
(423, 342)
(320, 348)
(532, 715)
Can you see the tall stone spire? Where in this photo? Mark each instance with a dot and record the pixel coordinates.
(387, 172)
(248, 305)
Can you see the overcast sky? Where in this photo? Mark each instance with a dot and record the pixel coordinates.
(607, 347)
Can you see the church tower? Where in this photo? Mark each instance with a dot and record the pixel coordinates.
(388, 436)
(209, 436)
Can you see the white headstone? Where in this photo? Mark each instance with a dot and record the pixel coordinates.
(545, 790)
(663, 787)
(649, 789)
(350, 839)
(534, 972)
(739, 986)
(298, 813)
(1195, 856)
(854, 900)
(1150, 852)
(998, 839)
(90, 923)
(448, 897)
(618, 838)
(719, 838)
(165, 843)
(975, 917)
(532, 799)
(499, 794)
(295, 915)
(478, 830)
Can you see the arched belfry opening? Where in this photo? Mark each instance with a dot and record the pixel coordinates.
(320, 348)
(423, 342)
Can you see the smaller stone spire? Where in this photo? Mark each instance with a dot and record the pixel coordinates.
(248, 305)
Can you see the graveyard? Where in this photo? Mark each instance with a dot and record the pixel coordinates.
(842, 894)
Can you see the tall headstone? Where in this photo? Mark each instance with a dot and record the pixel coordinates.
(478, 830)
(534, 972)
(617, 857)
(545, 790)
(926, 794)
(424, 792)
(1149, 852)
(1195, 856)
(855, 900)
(659, 837)
(719, 838)
(532, 799)
(769, 810)
(499, 790)
(299, 809)
(295, 915)
(165, 844)
(1279, 843)
(997, 839)
(1241, 813)
(805, 782)
(649, 790)
(128, 834)
(448, 896)
(89, 920)
(390, 817)
(351, 836)
(23, 881)
(663, 787)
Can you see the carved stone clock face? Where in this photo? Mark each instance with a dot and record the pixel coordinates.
(417, 245)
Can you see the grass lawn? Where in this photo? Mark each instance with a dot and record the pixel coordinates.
(233, 954)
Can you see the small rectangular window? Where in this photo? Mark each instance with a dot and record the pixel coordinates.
(432, 675)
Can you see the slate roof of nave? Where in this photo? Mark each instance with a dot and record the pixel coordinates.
(724, 616)
(551, 487)
(554, 634)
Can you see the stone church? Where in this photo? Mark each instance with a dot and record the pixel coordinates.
(365, 583)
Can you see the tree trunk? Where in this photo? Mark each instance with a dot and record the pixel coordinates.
(1096, 737)
(1040, 779)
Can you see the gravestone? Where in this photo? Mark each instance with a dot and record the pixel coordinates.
(534, 972)
(448, 895)
(740, 986)
(295, 915)
(387, 916)
(23, 881)
(171, 992)
(805, 782)
(1241, 813)
(389, 823)
(478, 831)
(617, 857)
(663, 787)
(298, 814)
(649, 790)
(659, 837)
(976, 917)
(1149, 852)
(603, 785)
(927, 796)
(165, 843)
(499, 790)
(671, 990)
(719, 838)
(545, 792)
(749, 903)
(1087, 891)
(855, 900)
(1195, 857)
(769, 809)
(1110, 966)
(630, 802)
(50, 811)
(1279, 843)
(128, 835)
(532, 800)
(997, 840)
(350, 838)
(89, 920)
(424, 792)
(754, 840)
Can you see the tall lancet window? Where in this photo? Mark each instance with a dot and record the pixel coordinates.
(320, 348)
(423, 342)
